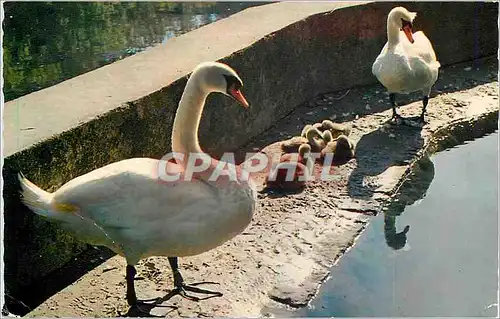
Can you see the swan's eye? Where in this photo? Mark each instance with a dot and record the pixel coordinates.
(233, 88)
(233, 84)
(405, 23)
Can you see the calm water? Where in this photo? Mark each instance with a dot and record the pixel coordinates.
(445, 264)
(48, 42)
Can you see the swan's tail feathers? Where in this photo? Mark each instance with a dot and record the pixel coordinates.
(35, 198)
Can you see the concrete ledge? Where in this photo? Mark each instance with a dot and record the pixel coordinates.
(286, 53)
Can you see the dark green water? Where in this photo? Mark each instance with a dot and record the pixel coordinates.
(446, 264)
(48, 42)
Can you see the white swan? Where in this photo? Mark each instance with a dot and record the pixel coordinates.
(125, 206)
(407, 62)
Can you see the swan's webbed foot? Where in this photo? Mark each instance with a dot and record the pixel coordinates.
(182, 288)
(145, 302)
(397, 119)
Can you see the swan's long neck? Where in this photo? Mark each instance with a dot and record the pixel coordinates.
(392, 33)
(187, 119)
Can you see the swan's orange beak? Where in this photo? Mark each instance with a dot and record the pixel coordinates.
(239, 97)
(407, 29)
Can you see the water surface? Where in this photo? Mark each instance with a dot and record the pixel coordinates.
(434, 253)
(46, 43)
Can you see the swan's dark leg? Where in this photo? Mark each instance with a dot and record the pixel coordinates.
(131, 296)
(181, 287)
(395, 116)
(425, 101)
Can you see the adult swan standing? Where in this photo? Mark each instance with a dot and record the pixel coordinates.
(125, 207)
(407, 62)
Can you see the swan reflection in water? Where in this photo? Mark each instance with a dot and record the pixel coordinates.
(413, 189)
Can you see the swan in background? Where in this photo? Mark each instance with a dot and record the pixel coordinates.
(127, 208)
(407, 62)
